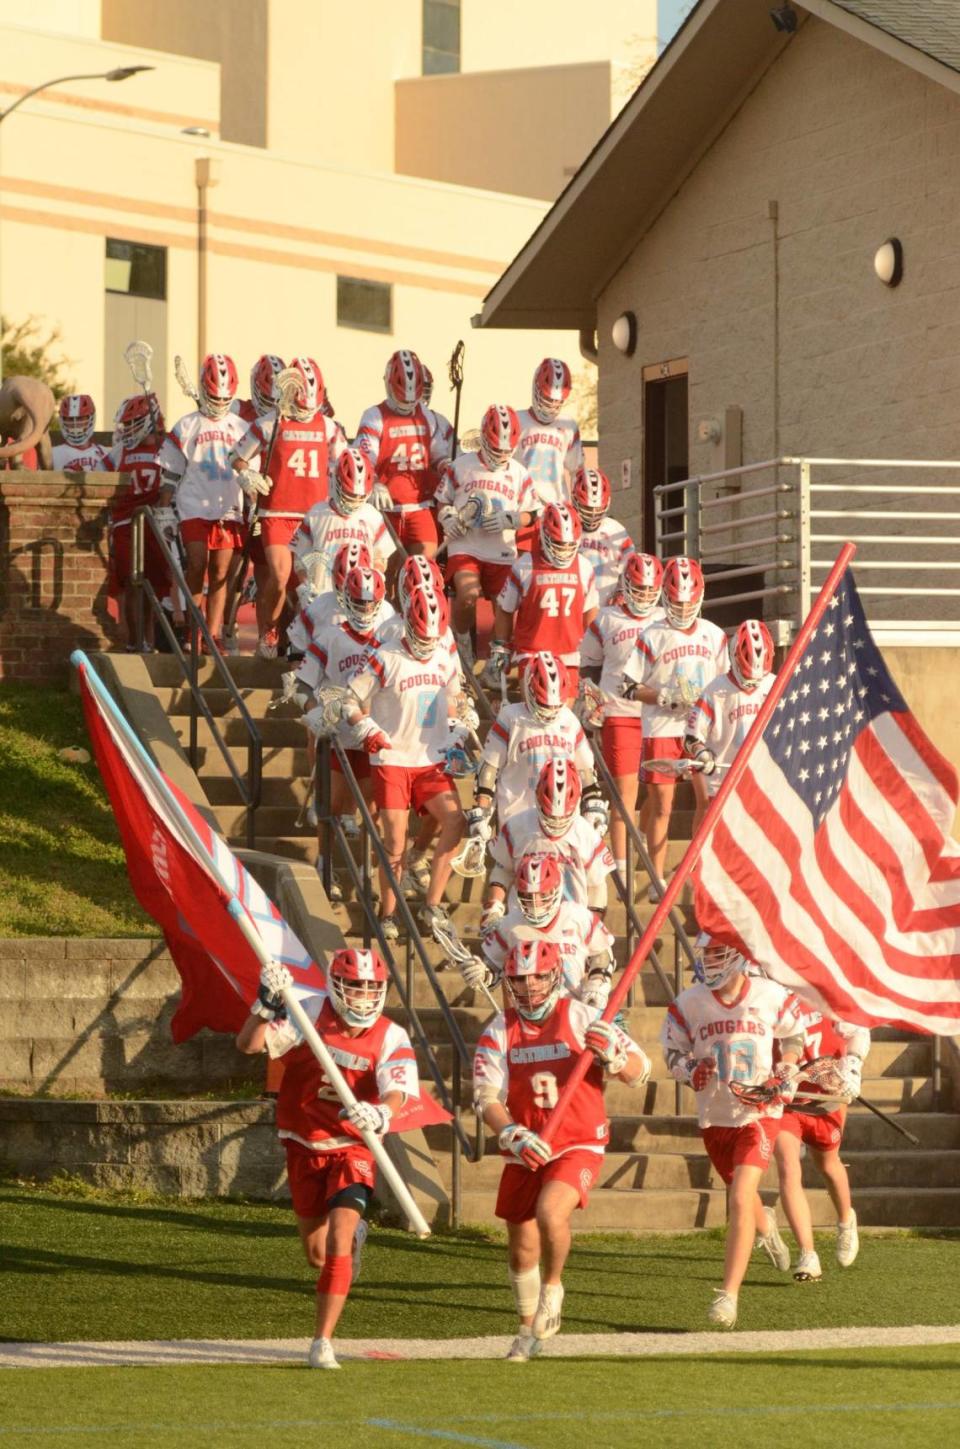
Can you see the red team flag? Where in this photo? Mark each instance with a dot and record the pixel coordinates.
(831, 863)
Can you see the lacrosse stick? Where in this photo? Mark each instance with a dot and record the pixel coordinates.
(183, 379)
(139, 359)
(469, 859)
(459, 955)
(455, 373)
(589, 705)
(822, 1071)
(681, 768)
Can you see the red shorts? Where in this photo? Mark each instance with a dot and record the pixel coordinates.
(822, 1131)
(493, 576)
(621, 740)
(404, 787)
(419, 526)
(316, 1177)
(215, 533)
(732, 1147)
(668, 747)
(520, 1188)
(274, 533)
(359, 763)
(121, 561)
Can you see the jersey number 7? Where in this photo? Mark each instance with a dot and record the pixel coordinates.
(557, 600)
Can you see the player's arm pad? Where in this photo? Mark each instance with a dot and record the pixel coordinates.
(487, 778)
(792, 1044)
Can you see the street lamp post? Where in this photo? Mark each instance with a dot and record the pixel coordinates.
(119, 73)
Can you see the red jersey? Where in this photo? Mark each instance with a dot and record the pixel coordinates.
(245, 409)
(826, 1038)
(399, 448)
(141, 463)
(300, 458)
(549, 604)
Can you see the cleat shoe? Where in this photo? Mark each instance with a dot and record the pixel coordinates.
(310, 818)
(848, 1241)
(359, 1239)
(546, 1320)
(772, 1243)
(389, 928)
(723, 1309)
(807, 1269)
(230, 644)
(268, 646)
(417, 876)
(322, 1355)
(350, 826)
(524, 1347)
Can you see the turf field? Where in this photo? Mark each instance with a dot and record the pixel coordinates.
(108, 1266)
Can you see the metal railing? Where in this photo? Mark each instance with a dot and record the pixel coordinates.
(774, 527)
(248, 786)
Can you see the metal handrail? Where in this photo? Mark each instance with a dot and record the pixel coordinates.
(250, 789)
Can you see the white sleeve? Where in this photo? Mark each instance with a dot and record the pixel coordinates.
(491, 1074)
(282, 1036)
(591, 649)
(591, 599)
(254, 440)
(172, 459)
(512, 592)
(857, 1038)
(397, 1064)
(369, 434)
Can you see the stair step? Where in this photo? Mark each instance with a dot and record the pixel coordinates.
(245, 671)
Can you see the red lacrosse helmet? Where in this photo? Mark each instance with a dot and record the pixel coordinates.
(546, 686)
(424, 621)
(715, 962)
(364, 590)
(533, 972)
(263, 382)
(311, 393)
(558, 796)
(427, 385)
(217, 385)
(591, 496)
(403, 380)
(640, 580)
(499, 435)
(752, 654)
(358, 985)
(551, 388)
(418, 571)
(539, 885)
(351, 482)
(560, 533)
(682, 591)
(352, 555)
(78, 419)
(134, 420)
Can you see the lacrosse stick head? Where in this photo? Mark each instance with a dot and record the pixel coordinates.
(469, 859)
(755, 1094)
(591, 705)
(475, 510)
(459, 763)
(455, 365)
(831, 1075)
(299, 390)
(330, 701)
(183, 379)
(139, 359)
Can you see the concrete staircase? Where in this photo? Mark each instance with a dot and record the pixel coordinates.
(655, 1143)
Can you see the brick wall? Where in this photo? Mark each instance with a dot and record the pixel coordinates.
(53, 572)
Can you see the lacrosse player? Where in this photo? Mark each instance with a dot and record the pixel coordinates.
(319, 610)
(140, 427)
(195, 458)
(607, 646)
(524, 1056)
(403, 441)
(670, 665)
(815, 1119)
(718, 1037)
(605, 544)
(720, 721)
(483, 498)
(331, 1172)
(548, 601)
(346, 515)
(548, 446)
(78, 453)
(299, 446)
(264, 396)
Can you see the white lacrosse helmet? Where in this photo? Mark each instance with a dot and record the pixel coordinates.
(418, 571)
(499, 435)
(352, 555)
(560, 534)
(557, 796)
(364, 591)
(533, 974)
(545, 685)
(217, 385)
(425, 620)
(308, 399)
(263, 382)
(539, 886)
(715, 962)
(403, 380)
(357, 981)
(78, 418)
(752, 654)
(551, 388)
(591, 497)
(351, 482)
(640, 580)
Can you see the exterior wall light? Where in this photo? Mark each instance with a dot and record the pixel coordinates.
(888, 262)
(623, 333)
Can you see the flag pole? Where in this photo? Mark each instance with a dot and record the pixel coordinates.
(235, 908)
(699, 841)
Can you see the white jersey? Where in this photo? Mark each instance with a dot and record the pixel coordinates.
(739, 1034)
(721, 720)
(508, 488)
(336, 650)
(606, 549)
(609, 643)
(410, 703)
(669, 658)
(578, 932)
(518, 746)
(582, 852)
(441, 435)
(323, 610)
(390, 631)
(551, 453)
(90, 459)
(195, 455)
(324, 531)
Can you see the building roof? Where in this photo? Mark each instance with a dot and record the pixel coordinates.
(642, 159)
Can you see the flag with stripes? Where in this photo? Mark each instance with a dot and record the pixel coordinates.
(832, 862)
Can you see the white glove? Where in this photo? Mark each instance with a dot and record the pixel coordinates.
(706, 759)
(166, 520)
(306, 593)
(475, 973)
(607, 1045)
(380, 498)
(451, 522)
(466, 713)
(492, 519)
(596, 812)
(595, 990)
(254, 484)
(479, 821)
(497, 664)
(492, 915)
(524, 1145)
(368, 1117)
(673, 700)
(274, 978)
(319, 723)
(510, 519)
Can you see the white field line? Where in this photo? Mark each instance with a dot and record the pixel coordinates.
(104, 1354)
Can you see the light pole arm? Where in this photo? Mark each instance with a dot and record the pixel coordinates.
(120, 73)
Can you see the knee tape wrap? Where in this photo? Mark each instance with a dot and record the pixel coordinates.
(336, 1274)
(526, 1290)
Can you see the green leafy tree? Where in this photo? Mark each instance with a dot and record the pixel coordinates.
(27, 352)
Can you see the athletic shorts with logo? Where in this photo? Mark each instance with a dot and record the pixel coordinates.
(492, 576)
(316, 1177)
(621, 743)
(750, 1145)
(404, 787)
(659, 747)
(821, 1130)
(215, 533)
(520, 1187)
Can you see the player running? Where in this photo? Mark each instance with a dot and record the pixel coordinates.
(524, 1056)
(329, 1168)
(318, 610)
(78, 453)
(718, 1037)
(605, 544)
(667, 671)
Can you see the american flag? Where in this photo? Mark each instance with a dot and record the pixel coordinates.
(832, 863)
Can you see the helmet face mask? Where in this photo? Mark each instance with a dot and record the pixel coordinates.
(217, 386)
(545, 686)
(533, 974)
(560, 534)
(363, 594)
(557, 796)
(682, 591)
(591, 497)
(716, 964)
(403, 380)
(499, 436)
(310, 396)
(78, 419)
(134, 420)
(263, 382)
(357, 982)
(752, 654)
(539, 887)
(424, 621)
(351, 482)
(349, 556)
(551, 388)
(640, 581)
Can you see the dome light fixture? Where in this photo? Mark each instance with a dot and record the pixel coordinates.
(623, 333)
(888, 262)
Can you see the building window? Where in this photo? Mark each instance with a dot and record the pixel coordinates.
(441, 37)
(368, 305)
(136, 270)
